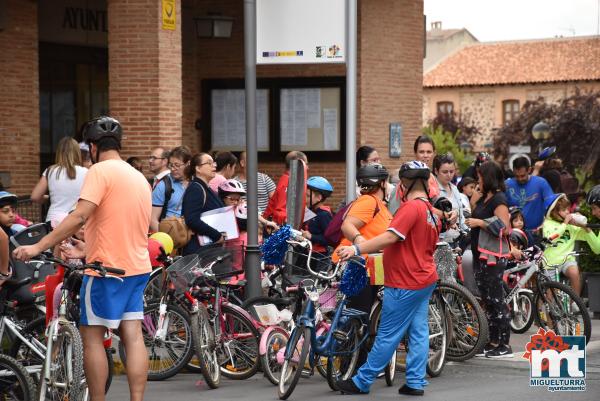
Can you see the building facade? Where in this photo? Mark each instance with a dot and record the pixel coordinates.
(488, 83)
(66, 61)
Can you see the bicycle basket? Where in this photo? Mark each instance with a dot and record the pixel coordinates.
(328, 300)
(226, 259)
(295, 262)
(184, 271)
(445, 263)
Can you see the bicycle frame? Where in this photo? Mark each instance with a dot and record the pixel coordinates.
(36, 346)
(324, 345)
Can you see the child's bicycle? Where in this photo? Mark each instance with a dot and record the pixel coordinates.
(341, 344)
(555, 305)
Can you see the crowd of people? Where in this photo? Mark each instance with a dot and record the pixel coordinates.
(491, 217)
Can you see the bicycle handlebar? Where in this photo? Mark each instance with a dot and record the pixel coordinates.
(298, 239)
(96, 266)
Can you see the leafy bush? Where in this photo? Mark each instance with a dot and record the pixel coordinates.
(446, 142)
(589, 262)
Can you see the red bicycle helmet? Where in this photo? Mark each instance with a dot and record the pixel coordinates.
(156, 252)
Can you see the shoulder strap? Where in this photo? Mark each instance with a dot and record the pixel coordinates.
(168, 193)
(203, 191)
(376, 206)
(428, 204)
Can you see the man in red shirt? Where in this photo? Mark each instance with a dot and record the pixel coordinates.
(276, 209)
(409, 277)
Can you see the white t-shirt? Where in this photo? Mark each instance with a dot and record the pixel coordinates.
(64, 192)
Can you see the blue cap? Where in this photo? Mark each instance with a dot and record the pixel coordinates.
(547, 152)
(551, 201)
(6, 198)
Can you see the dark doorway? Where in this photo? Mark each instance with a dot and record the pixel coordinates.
(73, 89)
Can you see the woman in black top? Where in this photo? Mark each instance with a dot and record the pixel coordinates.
(489, 276)
(199, 198)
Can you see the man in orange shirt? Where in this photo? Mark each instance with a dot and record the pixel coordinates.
(276, 209)
(115, 205)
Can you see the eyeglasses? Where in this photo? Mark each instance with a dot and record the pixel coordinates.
(210, 162)
(374, 160)
(152, 158)
(232, 199)
(176, 166)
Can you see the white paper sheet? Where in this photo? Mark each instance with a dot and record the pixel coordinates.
(330, 129)
(309, 214)
(228, 118)
(222, 220)
(300, 111)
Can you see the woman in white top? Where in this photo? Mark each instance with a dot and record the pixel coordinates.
(62, 181)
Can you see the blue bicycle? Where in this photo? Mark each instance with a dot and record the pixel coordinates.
(340, 344)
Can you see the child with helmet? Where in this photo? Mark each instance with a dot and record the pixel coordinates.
(409, 279)
(231, 193)
(319, 189)
(570, 228)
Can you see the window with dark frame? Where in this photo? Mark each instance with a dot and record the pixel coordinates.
(510, 110)
(445, 107)
(293, 114)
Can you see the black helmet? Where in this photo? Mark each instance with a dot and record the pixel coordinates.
(593, 197)
(102, 127)
(371, 175)
(481, 158)
(519, 237)
(414, 170)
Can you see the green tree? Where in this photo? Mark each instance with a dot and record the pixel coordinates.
(447, 142)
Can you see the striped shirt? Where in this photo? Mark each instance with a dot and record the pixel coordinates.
(265, 187)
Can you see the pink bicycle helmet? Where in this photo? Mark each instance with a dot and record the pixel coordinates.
(241, 211)
(231, 187)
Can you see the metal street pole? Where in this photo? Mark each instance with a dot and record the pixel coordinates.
(351, 50)
(252, 250)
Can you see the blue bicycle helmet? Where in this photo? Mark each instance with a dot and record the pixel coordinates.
(320, 185)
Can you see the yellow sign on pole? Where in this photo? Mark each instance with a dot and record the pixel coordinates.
(168, 15)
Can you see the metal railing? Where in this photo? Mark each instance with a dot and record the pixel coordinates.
(30, 210)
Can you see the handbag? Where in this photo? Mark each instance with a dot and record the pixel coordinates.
(176, 227)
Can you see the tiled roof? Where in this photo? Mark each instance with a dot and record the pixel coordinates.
(504, 63)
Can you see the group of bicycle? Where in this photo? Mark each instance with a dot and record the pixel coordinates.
(416, 273)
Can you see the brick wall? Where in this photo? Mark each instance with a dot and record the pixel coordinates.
(144, 74)
(390, 75)
(19, 102)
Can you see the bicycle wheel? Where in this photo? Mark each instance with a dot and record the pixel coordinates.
(293, 364)
(170, 352)
(469, 329)
(342, 365)
(521, 312)
(237, 349)
(390, 370)
(438, 343)
(276, 342)
(66, 380)
(204, 344)
(15, 383)
(153, 289)
(555, 311)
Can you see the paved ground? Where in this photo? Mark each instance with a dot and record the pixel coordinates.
(475, 380)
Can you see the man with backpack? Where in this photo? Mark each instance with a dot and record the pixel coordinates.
(158, 162)
(167, 195)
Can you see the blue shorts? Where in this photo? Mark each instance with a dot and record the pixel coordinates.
(106, 301)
